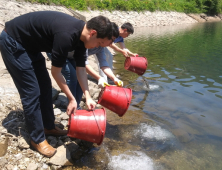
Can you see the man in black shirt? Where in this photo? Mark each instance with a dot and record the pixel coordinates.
(21, 44)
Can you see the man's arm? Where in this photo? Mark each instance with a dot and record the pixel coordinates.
(92, 72)
(95, 75)
(122, 49)
(82, 78)
(57, 75)
(116, 48)
(108, 72)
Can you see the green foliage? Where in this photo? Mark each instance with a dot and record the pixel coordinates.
(187, 6)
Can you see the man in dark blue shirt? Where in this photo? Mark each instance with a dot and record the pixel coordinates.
(124, 31)
(21, 43)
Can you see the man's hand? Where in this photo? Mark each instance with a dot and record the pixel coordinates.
(90, 103)
(129, 53)
(125, 53)
(118, 82)
(102, 82)
(71, 108)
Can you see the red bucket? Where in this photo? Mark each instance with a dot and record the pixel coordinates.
(88, 125)
(116, 99)
(136, 64)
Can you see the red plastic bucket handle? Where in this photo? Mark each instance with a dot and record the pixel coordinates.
(98, 123)
(126, 96)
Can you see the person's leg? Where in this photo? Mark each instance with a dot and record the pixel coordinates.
(69, 72)
(45, 85)
(101, 73)
(20, 67)
(109, 57)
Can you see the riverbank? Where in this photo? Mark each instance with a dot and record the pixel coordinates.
(13, 131)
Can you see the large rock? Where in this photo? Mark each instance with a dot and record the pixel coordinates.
(213, 19)
(197, 17)
(62, 157)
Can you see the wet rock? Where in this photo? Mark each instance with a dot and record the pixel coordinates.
(53, 143)
(182, 135)
(67, 140)
(55, 94)
(63, 100)
(50, 138)
(56, 103)
(86, 144)
(59, 124)
(77, 154)
(60, 143)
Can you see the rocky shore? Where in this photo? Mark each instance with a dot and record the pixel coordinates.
(15, 153)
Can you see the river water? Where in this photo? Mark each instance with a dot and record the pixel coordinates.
(175, 123)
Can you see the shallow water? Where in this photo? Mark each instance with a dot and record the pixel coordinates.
(185, 92)
(175, 123)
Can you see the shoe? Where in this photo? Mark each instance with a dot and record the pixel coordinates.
(56, 132)
(44, 148)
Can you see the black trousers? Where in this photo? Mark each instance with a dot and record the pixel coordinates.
(29, 73)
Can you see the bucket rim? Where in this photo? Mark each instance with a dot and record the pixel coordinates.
(128, 104)
(128, 59)
(103, 134)
(146, 62)
(100, 99)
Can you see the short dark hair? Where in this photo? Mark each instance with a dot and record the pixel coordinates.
(129, 27)
(102, 25)
(115, 30)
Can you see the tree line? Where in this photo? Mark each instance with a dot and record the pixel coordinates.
(210, 7)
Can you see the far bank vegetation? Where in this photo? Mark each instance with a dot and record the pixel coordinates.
(210, 7)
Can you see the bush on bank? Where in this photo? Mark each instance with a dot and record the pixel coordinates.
(210, 7)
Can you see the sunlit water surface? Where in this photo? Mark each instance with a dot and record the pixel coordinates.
(176, 122)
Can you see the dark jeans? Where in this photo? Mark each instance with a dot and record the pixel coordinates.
(29, 73)
(69, 72)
